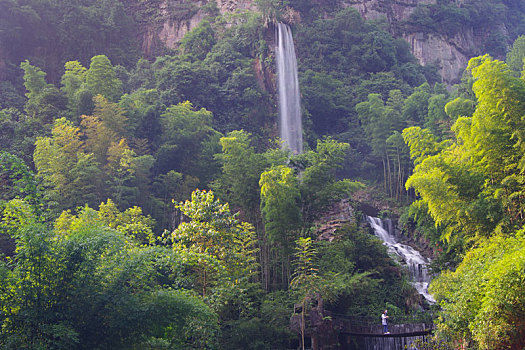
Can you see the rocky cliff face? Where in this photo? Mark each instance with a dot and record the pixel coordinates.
(449, 54)
(163, 23)
(175, 18)
(3, 66)
(393, 11)
(232, 5)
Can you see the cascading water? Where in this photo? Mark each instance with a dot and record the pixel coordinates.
(416, 264)
(291, 130)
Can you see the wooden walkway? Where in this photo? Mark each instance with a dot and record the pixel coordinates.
(390, 335)
(359, 327)
(350, 333)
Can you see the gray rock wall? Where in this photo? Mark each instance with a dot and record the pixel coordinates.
(170, 27)
(451, 55)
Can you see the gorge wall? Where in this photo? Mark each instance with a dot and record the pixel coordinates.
(173, 19)
(450, 54)
(162, 24)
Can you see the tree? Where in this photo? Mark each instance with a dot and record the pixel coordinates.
(460, 107)
(392, 112)
(72, 80)
(359, 276)
(374, 116)
(400, 163)
(83, 286)
(105, 127)
(49, 105)
(44, 101)
(468, 184)
(494, 140)
(240, 184)
(143, 110)
(380, 52)
(450, 188)
(18, 180)
(106, 124)
(101, 79)
(71, 176)
(279, 204)
(190, 142)
(199, 41)
(131, 222)
(327, 100)
(104, 139)
(34, 79)
(415, 107)
(436, 120)
(10, 96)
(215, 240)
(179, 79)
(18, 133)
(166, 188)
(516, 55)
(319, 187)
(142, 76)
(241, 170)
(422, 143)
(483, 300)
(306, 281)
(280, 200)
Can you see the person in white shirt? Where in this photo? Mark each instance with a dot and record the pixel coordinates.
(384, 322)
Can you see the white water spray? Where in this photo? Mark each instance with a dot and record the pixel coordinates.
(291, 130)
(417, 265)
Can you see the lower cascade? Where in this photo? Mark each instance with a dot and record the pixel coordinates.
(401, 336)
(416, 264)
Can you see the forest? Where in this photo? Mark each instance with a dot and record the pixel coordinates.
(146, 201)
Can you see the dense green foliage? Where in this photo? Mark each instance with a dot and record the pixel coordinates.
(471, 185)
(343, 60)
(449, 17)
(84, 285)
(483, 300)
(53, 32)
(356, 264)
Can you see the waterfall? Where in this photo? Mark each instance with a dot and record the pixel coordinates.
(291, 130)
(416, 264)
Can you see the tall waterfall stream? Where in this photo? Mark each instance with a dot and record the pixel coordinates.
(416, 264)
(291, 129)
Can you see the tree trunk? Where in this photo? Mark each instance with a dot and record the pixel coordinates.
(204, 282)
(302, 324)
(399, 177)
(389, 174)
(384, 174)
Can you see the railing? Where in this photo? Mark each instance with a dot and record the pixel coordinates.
(425, 318)
(371, 326)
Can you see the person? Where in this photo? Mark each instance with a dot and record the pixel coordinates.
(384, 322)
